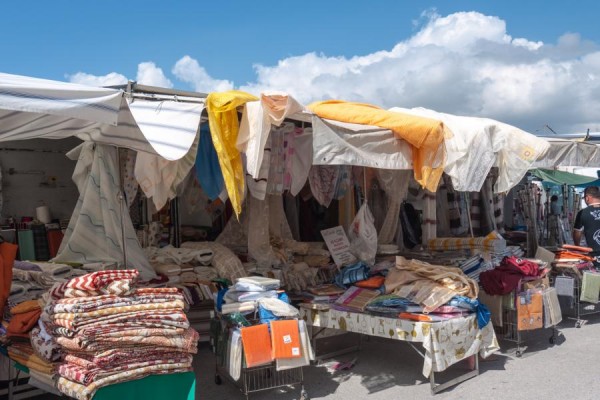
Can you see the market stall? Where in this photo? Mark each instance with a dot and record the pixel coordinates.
(290, 173)
(99, 237)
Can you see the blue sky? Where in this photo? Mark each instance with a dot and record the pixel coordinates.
(224, 41)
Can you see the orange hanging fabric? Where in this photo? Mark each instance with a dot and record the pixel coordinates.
(425, 135)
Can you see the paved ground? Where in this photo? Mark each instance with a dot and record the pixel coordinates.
(390, 370)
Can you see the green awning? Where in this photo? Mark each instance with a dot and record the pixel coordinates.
(562, 177)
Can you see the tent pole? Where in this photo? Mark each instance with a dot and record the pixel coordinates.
(122, 202)
(469, 213)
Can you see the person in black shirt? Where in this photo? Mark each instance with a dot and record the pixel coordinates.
(587, 220)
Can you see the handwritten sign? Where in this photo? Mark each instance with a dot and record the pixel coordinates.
(338, 245)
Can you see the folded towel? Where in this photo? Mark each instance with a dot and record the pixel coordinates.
(238, 307)
(189, 277)
(267, 283)
(235, 296)
(55, 270)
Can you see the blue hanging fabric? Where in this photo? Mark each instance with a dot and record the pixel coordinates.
(208, 170)
(483, 313)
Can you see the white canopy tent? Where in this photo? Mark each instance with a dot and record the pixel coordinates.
(569, 153)
(38, 108)
(476, 145)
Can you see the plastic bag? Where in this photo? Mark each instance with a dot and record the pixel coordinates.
(363, 235)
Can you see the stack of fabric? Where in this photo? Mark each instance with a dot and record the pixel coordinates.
(490, 243)
(427, 292)
(510, 251)
(187, 269)
(507, 276)
(22, 333)
(243, 296)
(474, 266)
(112, 331)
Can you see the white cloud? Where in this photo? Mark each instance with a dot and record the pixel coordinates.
(188, 70)
(97, 80)
(465, 63)
(149, 74)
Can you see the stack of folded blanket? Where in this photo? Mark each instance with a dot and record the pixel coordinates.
(112, 331)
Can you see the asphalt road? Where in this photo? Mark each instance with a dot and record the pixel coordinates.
(386, 369)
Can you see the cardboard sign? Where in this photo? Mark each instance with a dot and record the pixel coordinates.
(338, 245)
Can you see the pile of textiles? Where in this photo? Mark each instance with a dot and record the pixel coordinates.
(299, 276)
(506, 277)
(182, 265)
(256, 293)
(390, 305)
(244, 294)
(30, 280)
(28, 343)
(312, 253)
(187, 269)
(428, 285)
(111, 331)
(327, 293)
(474, 266)
(224, 261)
(515, 251)
(576, 254)
(492, 243)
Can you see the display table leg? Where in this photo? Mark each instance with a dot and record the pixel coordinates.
(474, 371)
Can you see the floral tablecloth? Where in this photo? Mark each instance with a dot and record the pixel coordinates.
(445, 342)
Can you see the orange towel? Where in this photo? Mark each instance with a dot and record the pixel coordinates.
(285, 339)
(26, 306)
(567, 255)
(21, 324)
(415, 317)
(256, 342)
(577, 248)
(373, 282)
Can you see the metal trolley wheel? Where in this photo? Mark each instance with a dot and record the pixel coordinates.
(304, 394)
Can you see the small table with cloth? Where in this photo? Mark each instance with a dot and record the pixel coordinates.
(445, 342)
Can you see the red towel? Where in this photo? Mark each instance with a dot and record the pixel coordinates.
(8, 252)
(54, 240)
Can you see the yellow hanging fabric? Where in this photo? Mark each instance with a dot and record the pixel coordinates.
(224, 128)
(425, 135)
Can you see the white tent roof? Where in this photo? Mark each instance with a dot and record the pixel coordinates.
(38, 108)
(477, 144)
(569, 153)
